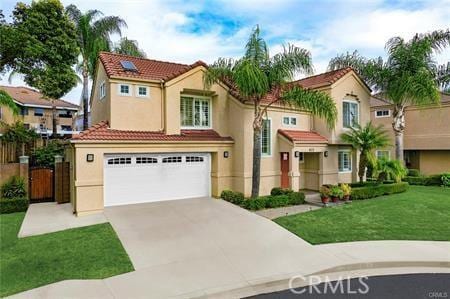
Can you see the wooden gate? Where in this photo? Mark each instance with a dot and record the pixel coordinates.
(41, 184)
(62, 182)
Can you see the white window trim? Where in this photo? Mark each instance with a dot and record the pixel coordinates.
(290, 117)
(141, 96)
(209, 116)
(125, 94)
(270, 139)
(388, 151)
(351, 161)
(389, 113)
(359, 112)
(103, 95)
(301, 155)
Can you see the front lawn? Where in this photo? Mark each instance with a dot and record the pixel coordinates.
(421, 213)
(81, 253)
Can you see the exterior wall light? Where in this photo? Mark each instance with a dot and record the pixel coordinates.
(325, 154)
(226, 154)
(90, 157)
(297, 154)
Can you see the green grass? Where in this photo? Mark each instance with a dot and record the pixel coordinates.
(421, 213)
(81, 253)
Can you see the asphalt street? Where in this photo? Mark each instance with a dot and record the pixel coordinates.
(409, 286)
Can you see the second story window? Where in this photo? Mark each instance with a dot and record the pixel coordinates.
(350, 113)
(38, 112)
(266, 138)
(289, 121)
(142, 91)
(102, 90)
(383, 113)
(195, 112)
(65, 114)
(23, 111)
(124, 90)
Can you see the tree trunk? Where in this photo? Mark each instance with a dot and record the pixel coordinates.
(398, 124)
(54, 127)
(85, 97)
(362, 166)
(256, 171)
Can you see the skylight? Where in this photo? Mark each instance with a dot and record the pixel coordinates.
(128, 65)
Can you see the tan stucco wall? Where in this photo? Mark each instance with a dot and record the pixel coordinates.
(434, 161)
(100, 108)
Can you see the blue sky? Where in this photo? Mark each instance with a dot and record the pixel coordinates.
(186, 31)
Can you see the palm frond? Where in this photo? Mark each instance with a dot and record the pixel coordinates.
(285, 65)
(316, 102)
(256, 49)
(250, 79)
(7, 101)
(366, 138)
(220, 70)
(129, 47)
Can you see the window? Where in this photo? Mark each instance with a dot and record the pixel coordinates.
(383, 154)
(114, 161)
(38, 112)
(382, 113)
(65, 114)
(266, 142)
(26, 126)
(195, 112)
(146, 160)
(289, 121)
(344, 161)
(102, 90)
(142, 91)
(350, 113)
(124, 90)
(66, 128)
(172, 160)
(23, 111)
(194, 159)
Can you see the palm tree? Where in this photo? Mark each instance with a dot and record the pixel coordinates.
(409, 75)
(390, 169)
(256, 74)
(366, 139)
(94, 34)
(129, 47)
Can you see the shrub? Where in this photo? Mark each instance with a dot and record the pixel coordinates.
(346, 189)
(378, 190)
(274, 201)
(234, 197)
(336, 191)
(413, 172)
(432, 180)
(296, 198)
(324, 191)
(445, 179)
(280, 191)
(45, 156)
(14, 187)
(254, 204)
(363, 184)
(13, 205)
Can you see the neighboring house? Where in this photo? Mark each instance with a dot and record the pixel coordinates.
(36, 112)
(78, 121)
(426, 137)
(158, 135)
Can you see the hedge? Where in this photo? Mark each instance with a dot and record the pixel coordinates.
(378, 190)
(284, 197)
(12, 205)
(432, 180)
(413, 172)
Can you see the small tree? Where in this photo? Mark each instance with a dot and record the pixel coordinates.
(390, 169)
(365, 139)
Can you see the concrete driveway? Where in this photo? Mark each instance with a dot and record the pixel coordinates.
(188, 246)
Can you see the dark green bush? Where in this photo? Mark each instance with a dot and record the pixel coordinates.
(14, 187)
(378, 190)
(45, 156)
(413, 172)
(296, 198)
(234, 197)
(432, 180)
(363, 184)
(280, 191)
(445, 179)
(276, 201)
(254, 204)
(13, 205)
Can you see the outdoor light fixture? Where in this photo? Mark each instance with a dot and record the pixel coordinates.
(226, 154)
(325, 154)
(297, 154)
(90, 157)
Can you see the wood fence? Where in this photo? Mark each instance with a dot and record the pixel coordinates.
(10, 152)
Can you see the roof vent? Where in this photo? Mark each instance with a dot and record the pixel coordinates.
(128, 65)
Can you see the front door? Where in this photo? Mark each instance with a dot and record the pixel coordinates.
(284, 170)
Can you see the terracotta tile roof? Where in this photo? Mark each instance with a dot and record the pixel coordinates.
(303, 136)
(102, 132)
(146, 68)
(28, 96)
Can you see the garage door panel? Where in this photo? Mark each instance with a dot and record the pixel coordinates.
(155, 177)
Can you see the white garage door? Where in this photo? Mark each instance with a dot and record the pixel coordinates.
(137, 178)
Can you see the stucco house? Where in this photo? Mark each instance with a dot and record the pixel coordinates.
(426, 136)
(36, 112)
(158, 135)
